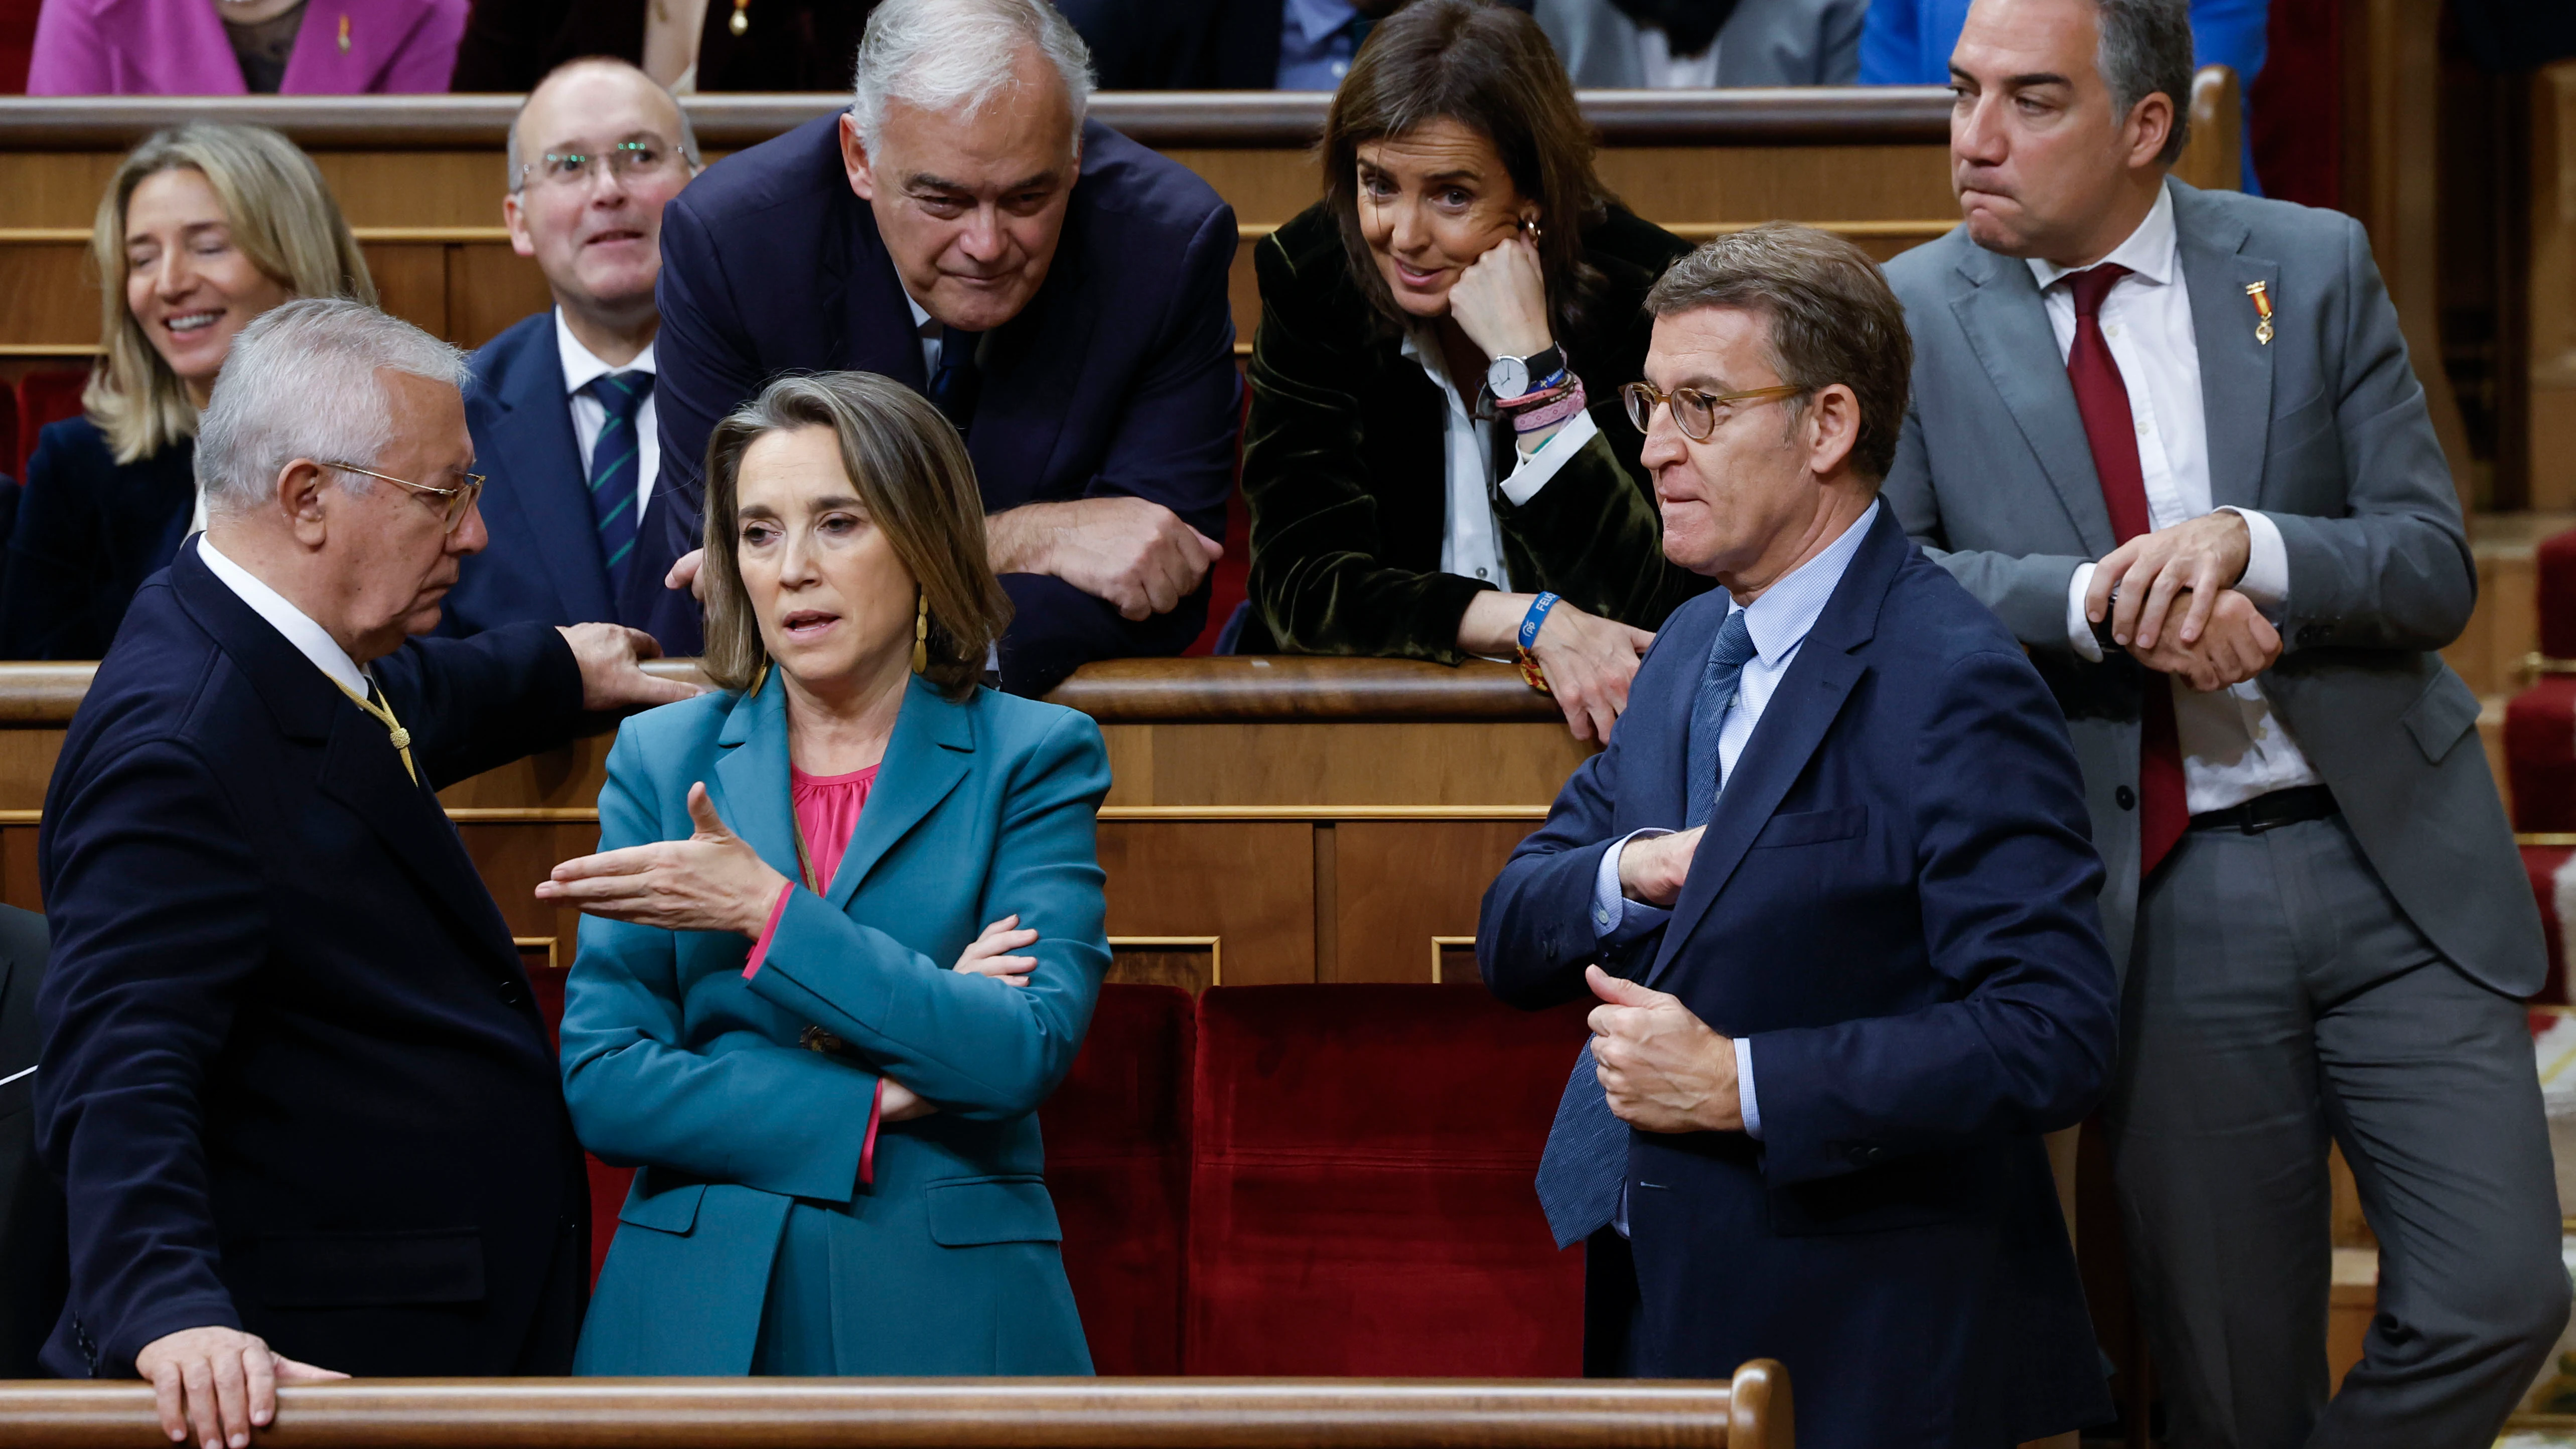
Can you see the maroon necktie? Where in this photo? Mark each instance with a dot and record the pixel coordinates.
(2103, 400)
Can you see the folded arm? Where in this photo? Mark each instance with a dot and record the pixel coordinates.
(973, 1045)
(742, 1108)
(2006, 878)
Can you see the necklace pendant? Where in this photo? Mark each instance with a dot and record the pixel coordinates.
(741, 20)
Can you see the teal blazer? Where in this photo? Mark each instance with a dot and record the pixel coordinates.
(947, 1263)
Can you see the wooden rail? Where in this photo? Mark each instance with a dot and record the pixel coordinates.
(1750, 1412)
(1233, 690)
(1874, 115)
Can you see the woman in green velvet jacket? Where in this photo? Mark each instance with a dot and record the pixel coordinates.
(1436, 456)
(841, 1171)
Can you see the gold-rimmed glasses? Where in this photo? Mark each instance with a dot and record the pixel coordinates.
(457, 501)
(1694, 411)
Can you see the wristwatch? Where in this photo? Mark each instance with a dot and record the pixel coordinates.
(1509, 377)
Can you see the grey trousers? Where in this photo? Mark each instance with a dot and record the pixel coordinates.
(2277, 994)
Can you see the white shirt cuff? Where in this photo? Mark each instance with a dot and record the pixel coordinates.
(2267, 563)
(1538, 467)
(2079, 630)
(1744, 1088)
(1616, 918)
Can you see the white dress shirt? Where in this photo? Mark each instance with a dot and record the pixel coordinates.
(2234, 747)
(310, 639)
(1779, 622)
(580, 367)
(1659, 69)
(1471, 544)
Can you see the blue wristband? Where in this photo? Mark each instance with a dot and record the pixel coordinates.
(1537, 616)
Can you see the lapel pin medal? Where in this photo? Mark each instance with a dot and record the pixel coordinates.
(344, 34)
(2262, 311)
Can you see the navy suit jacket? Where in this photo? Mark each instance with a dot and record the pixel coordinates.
(294, 1079)
(1894, 900)
(89, 531)
(543, 564)
(1118, 378)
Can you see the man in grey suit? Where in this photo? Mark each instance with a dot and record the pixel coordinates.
(1617, 44)
(2172, 438)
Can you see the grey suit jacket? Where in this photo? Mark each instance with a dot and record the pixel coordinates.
(2325, 431)
(1764, 43)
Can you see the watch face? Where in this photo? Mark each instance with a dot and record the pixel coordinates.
(1507, 377)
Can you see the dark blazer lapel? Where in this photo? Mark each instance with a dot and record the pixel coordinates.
(2006, 323)
(877, 331)
(750, 790)
(532, 431)
(1031, 366)
(2235, 369)
(360, 768)
(933, 744)
(1809, 698)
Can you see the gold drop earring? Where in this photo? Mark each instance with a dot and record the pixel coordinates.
(921, 636)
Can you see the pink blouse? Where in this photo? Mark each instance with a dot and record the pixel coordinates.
(827, 814)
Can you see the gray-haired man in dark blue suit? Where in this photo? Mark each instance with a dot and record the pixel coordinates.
(2172, 438)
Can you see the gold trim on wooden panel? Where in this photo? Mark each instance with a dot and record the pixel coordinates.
(2536, 662)
(523, 814)
(1323, 812)
(526, 942)
(22, 817)
(60, 235)
(2545, 837)
(51, 349)
(1440, 942)
(1215, 948)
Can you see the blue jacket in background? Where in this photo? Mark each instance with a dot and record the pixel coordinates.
(947, 1262)
(1908, 43)
(1894, 902)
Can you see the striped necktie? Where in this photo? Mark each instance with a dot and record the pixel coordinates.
(616, 462)
(957, 383)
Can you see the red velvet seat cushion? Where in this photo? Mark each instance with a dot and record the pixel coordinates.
(2540, 754)
(1362, 1199)
(2542, 863)
(1118, 1166)
(44, 397)
(2555, 559)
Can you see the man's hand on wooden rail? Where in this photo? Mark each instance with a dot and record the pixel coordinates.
(220, 1381)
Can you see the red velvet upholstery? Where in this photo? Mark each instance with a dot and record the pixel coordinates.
(44, 397)
(2542, 863)
(9, 450)
(2540, 753)
(2556, 562)
(1118, 1165)
(1231, 578)
(607, 1184)
(1362, 1200)
(17, 43)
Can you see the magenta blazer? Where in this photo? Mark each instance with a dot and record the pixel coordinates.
(177, 48)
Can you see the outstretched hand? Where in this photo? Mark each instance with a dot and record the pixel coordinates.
(712, 881)
(1662, 1069)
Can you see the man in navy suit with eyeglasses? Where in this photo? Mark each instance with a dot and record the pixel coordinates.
(1834, 871)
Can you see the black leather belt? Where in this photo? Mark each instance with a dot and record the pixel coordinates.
(2270, 812)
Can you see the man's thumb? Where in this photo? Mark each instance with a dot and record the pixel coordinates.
(702, 812)
(1617, 991)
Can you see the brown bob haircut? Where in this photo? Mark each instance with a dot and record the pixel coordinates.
(910, 472)
(1490, 69)
(1830, 315)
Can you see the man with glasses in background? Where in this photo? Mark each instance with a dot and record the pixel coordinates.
(295, 1086)
(562, 404)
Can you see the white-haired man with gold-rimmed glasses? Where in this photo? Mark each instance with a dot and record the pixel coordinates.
(294, 1083)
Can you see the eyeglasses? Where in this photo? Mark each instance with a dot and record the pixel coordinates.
(458, 501)
(625, 160)
(1694, 411)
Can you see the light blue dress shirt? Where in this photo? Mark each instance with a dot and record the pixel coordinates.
(1315, 44)
(1779, 621)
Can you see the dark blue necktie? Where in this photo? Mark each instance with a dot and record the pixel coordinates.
(954, 386)
(1586, 1161)
(616, 462)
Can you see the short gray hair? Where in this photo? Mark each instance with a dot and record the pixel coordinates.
(518, 163)
(301, 382)
(2146, 48)
(957, 55)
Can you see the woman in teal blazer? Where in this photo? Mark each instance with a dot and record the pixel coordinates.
(840, 1165)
